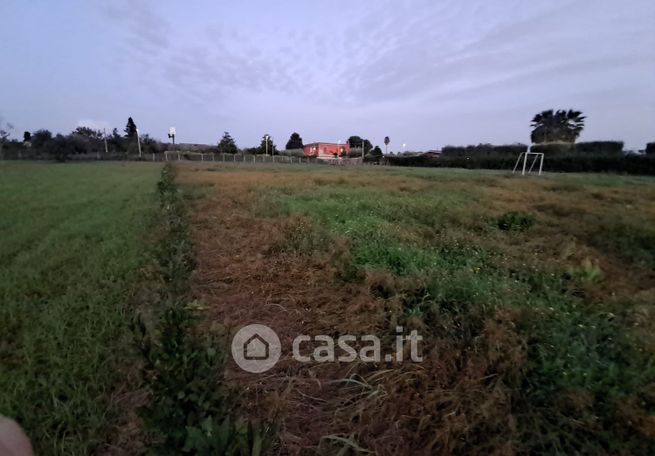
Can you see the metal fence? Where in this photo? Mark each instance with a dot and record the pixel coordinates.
(185, 156)
(238, 158)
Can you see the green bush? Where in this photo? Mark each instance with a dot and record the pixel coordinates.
(515, 221)
(600, 147)
(554, 148)
(510, 149)
(293, 152)
(571, 162)
(588, 272)
(483, 149)
(592, 147)
(650, 148)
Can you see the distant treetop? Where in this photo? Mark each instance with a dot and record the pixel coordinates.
(295, 142)
(130, 129)
(355, 142)
(227, 145)
(557, 126)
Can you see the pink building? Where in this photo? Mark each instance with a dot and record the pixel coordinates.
(325, 150)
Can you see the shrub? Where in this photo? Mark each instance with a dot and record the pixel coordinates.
(414, 160)
(483, 149)
(293, 152)
(588, 272)
(40, 138)
(577, 163)
(600, 147)
(133, 149)
(510, 149)
(553, 148)
(453, 151)
(515, 221)
(650, 148)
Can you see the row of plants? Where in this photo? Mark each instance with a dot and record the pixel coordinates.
(42, 144)
(191, 411)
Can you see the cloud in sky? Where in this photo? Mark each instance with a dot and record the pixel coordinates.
(425, 73)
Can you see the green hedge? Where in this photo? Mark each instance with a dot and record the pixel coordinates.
(628, 164)
(600, 147)
(483, 149)
(593, 147)
(554, 149)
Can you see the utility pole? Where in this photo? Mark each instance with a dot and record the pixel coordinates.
(266, 141)
(104, 136)
(138, 141)
(171, 135)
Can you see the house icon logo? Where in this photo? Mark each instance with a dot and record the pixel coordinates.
(256, 348)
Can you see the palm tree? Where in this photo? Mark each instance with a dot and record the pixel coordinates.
(557, 126)
(386, 144)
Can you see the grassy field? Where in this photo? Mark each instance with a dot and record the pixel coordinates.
(534, 296)
(71, 247)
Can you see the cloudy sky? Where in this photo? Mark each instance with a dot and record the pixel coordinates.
(424, 72)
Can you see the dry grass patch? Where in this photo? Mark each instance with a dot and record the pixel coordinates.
(516, 322)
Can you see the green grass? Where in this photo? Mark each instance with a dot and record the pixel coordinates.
(71, 248)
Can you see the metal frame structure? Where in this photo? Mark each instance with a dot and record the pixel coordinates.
(524, 155)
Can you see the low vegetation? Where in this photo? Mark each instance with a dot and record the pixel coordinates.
(533, 296)
(71, 250)
(102, 348)
(557, 159)
(123, 286)
(189, 410)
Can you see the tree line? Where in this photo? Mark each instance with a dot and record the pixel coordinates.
(553, 131)
(227, 145)
(84, 140)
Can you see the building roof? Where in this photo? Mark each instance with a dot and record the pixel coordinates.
(326, 143)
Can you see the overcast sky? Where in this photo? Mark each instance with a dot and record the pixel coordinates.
(426, 73)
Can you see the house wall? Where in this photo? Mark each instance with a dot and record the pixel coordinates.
(325, 150)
